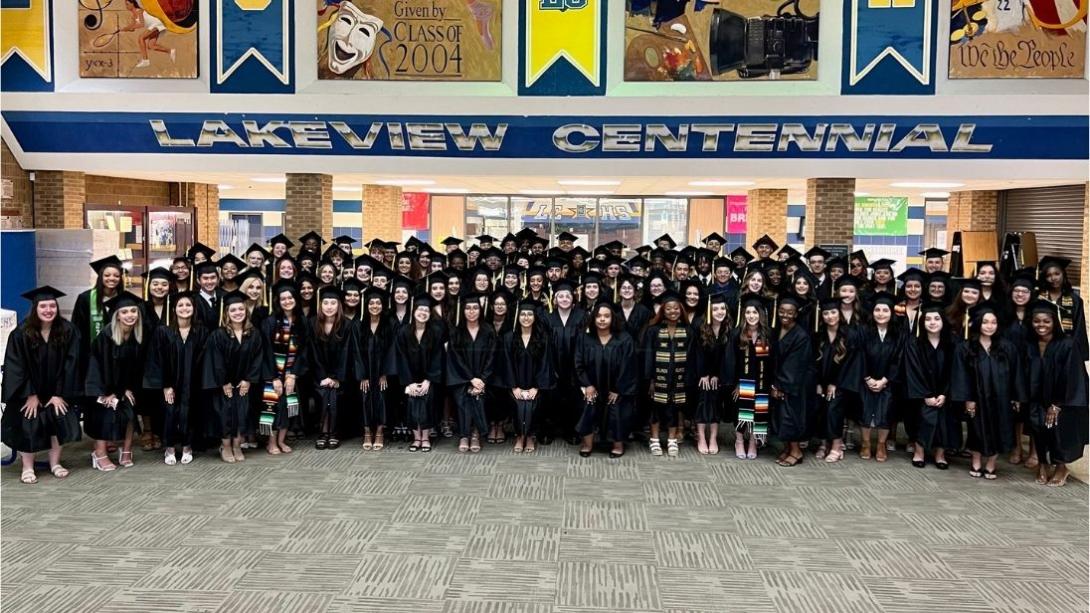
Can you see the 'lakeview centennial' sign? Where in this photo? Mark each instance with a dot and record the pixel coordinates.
(1057, 137)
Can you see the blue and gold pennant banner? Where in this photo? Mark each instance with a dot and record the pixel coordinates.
(26, 53)
(889, 47)
(562, 47)
(252, 46)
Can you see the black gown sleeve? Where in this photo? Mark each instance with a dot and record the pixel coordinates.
(584, 361)
(962, 377)
(626, 382)
(17, 382)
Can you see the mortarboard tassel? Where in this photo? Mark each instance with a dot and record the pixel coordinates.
(817, 316)
(775, 308)
(166, 311)
(221, 311)
(524, 284)
(617, 290)
(708, 315)
(966, 325)
(147, 282)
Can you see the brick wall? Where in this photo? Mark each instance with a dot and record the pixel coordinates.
(382, 212)
(766, 213)
(127, 192)
(308, 205)
(830, 211)
(58, 199)
(972, 211)
(18, 206)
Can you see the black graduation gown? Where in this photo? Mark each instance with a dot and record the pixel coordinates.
(228, 360)
(113, 369)
(565, 396)
(520, 368)
(793, 356)
(713, 359)
(470, 358)
(992, 379)
(81, 319)
(151, 316)
(609, 368)
(209, 315)
(44, 370)
(665, 370)
(1073, 319)
(372, 360)
(329, 358)
(877, 358)
(1059, 378)
(1021, 336)
(927, 374)
(416, 361)
(829, 419)
(281, 415)
(174, 362)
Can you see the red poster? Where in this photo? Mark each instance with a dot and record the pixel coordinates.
(736, 214)
(414, 211)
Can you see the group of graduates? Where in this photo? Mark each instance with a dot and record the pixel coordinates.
(514, 337)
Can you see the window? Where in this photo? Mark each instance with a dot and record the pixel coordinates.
(619, 220)
(665, 216)
(487, 215)
(533, 213)
(576, 215)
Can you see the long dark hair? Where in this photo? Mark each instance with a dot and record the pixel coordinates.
(100, 288)
(336, 331)
(660, 316)
(840, 343)
(615, 324)
(538, 338)
(707, 334)
(32, 327)
(278, 312)
(194, 320)
(764, 332)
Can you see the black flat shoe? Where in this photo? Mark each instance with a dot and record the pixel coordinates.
(585, 454)
(942, 465)
(320, 442)
(333, 443)
(919, 463)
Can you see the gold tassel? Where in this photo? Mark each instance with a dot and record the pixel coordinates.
(147, 282)
(817, 316)
(458, 313)
(166, 311)
(966, 325)
(221, 311)
(708, 316)
(617, 290)
(738, 314)
(775, 307)
(524, 283)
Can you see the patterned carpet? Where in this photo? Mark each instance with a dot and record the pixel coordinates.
(353, 531)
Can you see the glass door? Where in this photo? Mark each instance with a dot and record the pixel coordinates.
(128, 222)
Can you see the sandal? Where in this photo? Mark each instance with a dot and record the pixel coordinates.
(1032, 462)
(531, 445)
(284, 448)
(319, 443)
(656, 447)
(226, 455)
(333, 442)
(975, 472)
(713, 447)
(864, 452)
(447, 431)
(518, 444)
(367, 445)
(834, 456)
(740, 449)
(990, 475)
(613, 453)
(187, 457)
(702, 447)
(169, 458)
(475, 444)
(463, 445)
(58, 471)
(28, 477)
(379, 444)
(791, 460)
(1015, 457)
(1054, 482)
(585, 453)
(121, 459)
(96, 463)
(273, 450)
(671, 447)
(1042, 477)
(425, 446)
(820, 453)
(147, 441)
(880, 454)
(415, 446)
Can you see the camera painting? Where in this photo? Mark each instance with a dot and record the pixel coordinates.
(725, 40)
(1018, 39)
(412, 40)
(138, 39)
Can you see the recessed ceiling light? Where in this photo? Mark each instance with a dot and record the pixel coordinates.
(541, 192)
(689, 193)
(589, 192)
(225, 186)
(927, 184)
(720, 183)
(269, 179)
(589, 182)
(445, 190)
(935, 194)
(404, 182)
(861, 193)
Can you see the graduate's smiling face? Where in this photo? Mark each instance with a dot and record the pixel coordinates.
(1054, 276)
(835, 273)
(882, 314)
(287, 301)
(986, 275)
(603, 317)
(330, 307)
(831, 317)
(913, 289)
(883, 276)
(404, 266)
(755, 283)
(970, 295)
(454, 286)
(627, 290)
(526, 318)
(46, 310)
(482, 283)
(933, 322)
(159, 288)
(254, 259)
(128, 316)
(671, 310)
(989, 323)
(722, 274)
(719, 312)
(858, 268)
(499, 306)
(752, 316)
(692, 296)
(764, 250)
(681, 271)
(209, 281)
(401, 295)
(286, 270)
(787, 313)
(363, 274)
(933, 265)
(936, 289)
(111, 277)
(380, 281)
(817, 264)
(537, 282)
(656, 286)
(279, 249)
(229, 270)
(1043, 325)
(306, 290)
(180, 270)
(374, 306)
(352, 299)
(183, 309)
(847, 294)
(563, 299)
(236, 313)
(254, 289)
(1021, 295)
(802, 286)
(422, 314)
(438, 291)
(327, 274)
(592, 291)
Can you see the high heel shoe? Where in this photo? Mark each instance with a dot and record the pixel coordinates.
(121, 459)
(95, 463)
(740, 450)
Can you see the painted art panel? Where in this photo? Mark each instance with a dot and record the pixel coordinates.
(138, 39)
(1018, 39)
(678, 40)
(409, 40)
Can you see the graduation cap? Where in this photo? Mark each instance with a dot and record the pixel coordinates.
(509, 238)
(422, 301)
(308, 277)
(331, 291)
(615, 245)
(327, 255)
(401, 281)
(638, 262)
(344, 239)
(817, 251)
(861, 256)
(795, 261)
(789, 252)
(110, 261)
(234, 297)
(837, 262)
(249, 273)
(485, 238)
(566, 236)
(714, 236)
(883, 264)
(231, 258)
(847, 280)
(741, 252)
(491, 252)
(912, 274)
(933, 307)
(437, 277)
(259, 249)
(1046, 306)
(529, 304)
(611, 260)
(721, 262)
(120, 301)
(45, 292)
(933, 252)
(515, 269)
(206, 268)
(539, 240)
(351, 285)
(312, 235)
(1024, 277)
(885, 298)
(281, 239)
(457, 254)
(200, 248)
(375, 243)
(475, 249)
(574, 251)
(767, 241)
(159, 273)
(1053, 260)
(982, 264)
(793, 300)
(373, 292)
(381, 271)
(803, 273)
(669, 240)
(939, 275)
(452, 241)
(705, 254)
(978, 311)
(668, 296)
(756, 301)
(830, 304)
(413, 244)
(563, 285)
(285, 285)
(556, 261)
(967, 282)
(526, 234)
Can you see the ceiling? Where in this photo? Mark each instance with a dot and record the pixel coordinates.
(347, 186)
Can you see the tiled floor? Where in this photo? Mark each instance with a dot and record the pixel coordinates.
(348, 530)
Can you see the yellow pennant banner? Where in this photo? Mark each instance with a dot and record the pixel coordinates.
(563, 28)
(24, 30)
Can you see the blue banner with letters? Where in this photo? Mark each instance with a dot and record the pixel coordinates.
(889, 47)
(252, 44)
(1044, 137)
